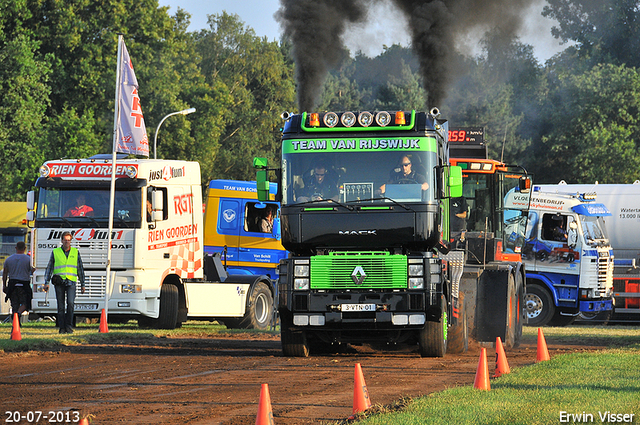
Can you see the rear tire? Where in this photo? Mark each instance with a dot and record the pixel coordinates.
(259, 312)
(458, 336)
(432, 340)
(512, 313)
(539, 304)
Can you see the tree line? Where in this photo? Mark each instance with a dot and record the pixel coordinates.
(573, 118)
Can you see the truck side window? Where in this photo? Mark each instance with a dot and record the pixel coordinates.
(259, 220)
(554, 227)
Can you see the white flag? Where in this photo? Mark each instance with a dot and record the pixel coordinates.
(132, 133)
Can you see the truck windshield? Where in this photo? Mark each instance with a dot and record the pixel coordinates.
(594, 230)
(88, 207)
(358, 177)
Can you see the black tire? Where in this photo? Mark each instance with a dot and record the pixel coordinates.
(294, 344)
(512, 313)
(259, 311)
(432, 339)
(520, 310)
(458, 334)
(168, 307)
(539, 305)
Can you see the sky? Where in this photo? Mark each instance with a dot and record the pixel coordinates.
(370, 39)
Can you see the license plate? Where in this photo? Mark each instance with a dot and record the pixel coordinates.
(85, 307)
(357, 307)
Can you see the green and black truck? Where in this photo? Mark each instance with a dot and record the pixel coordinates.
(365, 218)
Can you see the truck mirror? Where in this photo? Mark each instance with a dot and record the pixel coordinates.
(524, 184)
(157, 201)
(31, 200)
(259, 163)
(455, 181)
(31, 215)
(262, 178)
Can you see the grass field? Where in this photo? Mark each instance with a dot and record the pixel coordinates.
(593, 387)
(597, 387)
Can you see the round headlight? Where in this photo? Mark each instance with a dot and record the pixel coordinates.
(330, 119)
(348, 119)
(45, 170)
(365, 119)
(383, 118)
(131, 171)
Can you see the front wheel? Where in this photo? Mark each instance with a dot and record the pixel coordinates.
(539, 304)
(432, 341)
(294, 344)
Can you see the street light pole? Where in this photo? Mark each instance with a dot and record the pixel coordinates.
(155, 139)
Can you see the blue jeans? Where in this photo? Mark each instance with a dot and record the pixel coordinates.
(65, 318)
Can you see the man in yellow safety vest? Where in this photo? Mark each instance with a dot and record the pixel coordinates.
(65, 270)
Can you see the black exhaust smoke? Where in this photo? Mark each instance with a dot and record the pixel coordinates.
(315, 28)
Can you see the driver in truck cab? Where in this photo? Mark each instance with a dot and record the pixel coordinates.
(403, 174)
(319, 186)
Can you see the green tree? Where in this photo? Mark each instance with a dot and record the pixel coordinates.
(595, 128)
(256, 84)
(24, 97)
(605, 31)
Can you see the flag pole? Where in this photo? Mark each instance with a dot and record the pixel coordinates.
(112, 193)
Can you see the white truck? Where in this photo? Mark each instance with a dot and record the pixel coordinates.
(159, 272)
(567, 255)
(623, 230)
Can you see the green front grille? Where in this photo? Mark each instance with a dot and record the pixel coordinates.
(382, 270)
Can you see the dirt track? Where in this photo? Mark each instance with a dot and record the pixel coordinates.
(217, 380)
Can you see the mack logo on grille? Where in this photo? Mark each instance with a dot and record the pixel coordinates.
(358, 275)
(358, 232)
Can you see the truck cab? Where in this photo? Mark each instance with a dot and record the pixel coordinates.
(568, 257)
(232, 228)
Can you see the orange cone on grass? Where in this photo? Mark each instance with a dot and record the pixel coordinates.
(104, 328)
(15, 331)
(543, 352)
(502, 366)
(361, 401)
(482, 373)
(265, 414)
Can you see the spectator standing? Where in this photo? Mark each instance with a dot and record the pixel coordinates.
(65, 270)
(17, 272)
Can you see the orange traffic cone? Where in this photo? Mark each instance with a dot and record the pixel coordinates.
(15, 331)
(103, 322)
(265, 414)
(502, 366)
(543, 353)
(482, 373)
(361, 401)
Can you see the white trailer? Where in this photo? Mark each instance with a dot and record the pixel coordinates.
(623, 230)
(159, 273)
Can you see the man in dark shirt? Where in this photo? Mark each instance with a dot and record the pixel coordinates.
(458, 214)
(405, 175)
(319, 187)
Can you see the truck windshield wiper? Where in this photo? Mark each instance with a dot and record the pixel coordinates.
(315, 201)
(387, 199)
